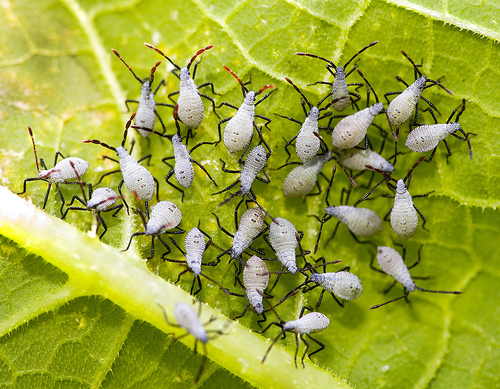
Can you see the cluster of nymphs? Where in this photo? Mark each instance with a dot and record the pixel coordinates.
(352, 151)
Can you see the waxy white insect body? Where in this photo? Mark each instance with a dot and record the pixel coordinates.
(251, 225)
(136, 177)
(402, 106)
(146, 111)
(404, 218)
(189, 105)
(302, 179)
(239, 129)
(255, 279)
(283, 239)
(340, 92)
(360, 221)
(238, 132)
(351, 130)
(308, 324)
(145, 116)
(195, 247)
(426, 137)
(305, 325)
(307, 141)
(63, 171)
(67, 169)
(357, 159)
(164, 216)
(188, 318)
(184, 171)
(100, 200)
(183, 167)
(138, 180)
(254, 163)
(392, 263)
(342, 284)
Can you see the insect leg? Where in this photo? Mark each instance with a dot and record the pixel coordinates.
(321, 345)
(202, 168)
(213, 103)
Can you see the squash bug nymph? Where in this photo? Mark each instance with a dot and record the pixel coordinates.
(426, 137)
(307, 141)
(305, 325)
(188, 319)
(189, 105)
(392, 263)
(164, 217)
(239, 128)
(100, 200)
(70, 168)
(340, 92)
(138, 180)
(404, 219)
(195, 247)
(146, 110)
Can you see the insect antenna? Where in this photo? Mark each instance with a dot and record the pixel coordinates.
(97, 142)
(390, 301)
(438, 291)
(139, 211)
(197, 54)
(153, 70)
(129, 68)
(79, 181)
(432, 83)
(461, 111)
(263, 209)
(163, 55)
(229, 198)
(466, 135)
(243, 87)
(125, 133)
(34, 148)
(359, 52)
(413, 168)
(216, 283)
(318, 57)
(264, 88)
(417, 70)
(300, 92)
(367, 91)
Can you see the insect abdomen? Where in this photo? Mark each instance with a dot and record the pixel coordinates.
(404, 218)
(189, 105)
(239, 130)
(427, 137)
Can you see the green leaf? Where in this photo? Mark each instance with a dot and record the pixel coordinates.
(79, 313)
